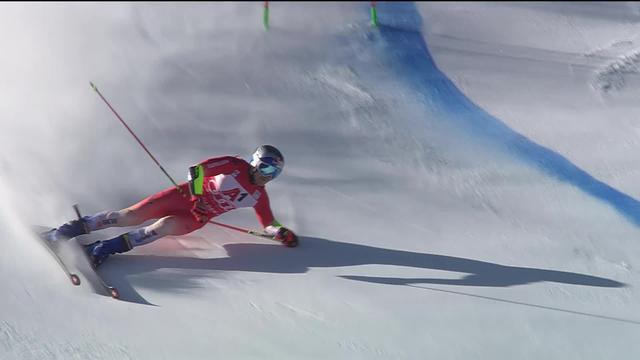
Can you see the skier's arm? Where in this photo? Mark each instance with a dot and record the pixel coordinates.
(209, 167)
(219, 165)
(271, 225)
(263, 211)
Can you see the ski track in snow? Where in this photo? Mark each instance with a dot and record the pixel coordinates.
(19, 345)
(301, 312)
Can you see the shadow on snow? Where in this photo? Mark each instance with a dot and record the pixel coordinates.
(322, 253)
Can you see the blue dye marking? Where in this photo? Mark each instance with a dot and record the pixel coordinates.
(398, 37)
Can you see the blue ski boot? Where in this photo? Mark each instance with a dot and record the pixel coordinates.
(99, 251)
(69, 230)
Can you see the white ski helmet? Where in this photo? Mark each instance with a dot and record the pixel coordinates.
(268, 161)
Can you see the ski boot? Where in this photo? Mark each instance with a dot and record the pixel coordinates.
(67, 231)
(99, 251)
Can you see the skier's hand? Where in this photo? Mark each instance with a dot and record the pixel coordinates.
(287, 237)
(199, 210)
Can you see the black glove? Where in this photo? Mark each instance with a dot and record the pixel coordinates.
(287, 237)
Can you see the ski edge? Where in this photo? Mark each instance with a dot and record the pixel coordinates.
(72, 276)
(111, 290)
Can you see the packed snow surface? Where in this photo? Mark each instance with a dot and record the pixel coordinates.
(463, 178)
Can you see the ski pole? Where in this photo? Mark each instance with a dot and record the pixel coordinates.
(250, 232)
(247, 231)
(84, 224)
(374, 14)
(265, 15)
(132, 133)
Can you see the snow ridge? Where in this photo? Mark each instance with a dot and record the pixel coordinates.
(614, 75)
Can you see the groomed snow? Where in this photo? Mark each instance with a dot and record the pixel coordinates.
(462, 178)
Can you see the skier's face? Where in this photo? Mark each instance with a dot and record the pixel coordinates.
(260, 179)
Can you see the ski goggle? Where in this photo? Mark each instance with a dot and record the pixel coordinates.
(270, 167)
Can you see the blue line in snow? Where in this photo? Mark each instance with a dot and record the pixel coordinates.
(401, 41)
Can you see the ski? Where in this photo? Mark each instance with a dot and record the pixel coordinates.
(111, 290)
(53, 247)
(49, 245)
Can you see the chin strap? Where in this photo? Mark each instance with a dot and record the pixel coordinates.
(252, 175)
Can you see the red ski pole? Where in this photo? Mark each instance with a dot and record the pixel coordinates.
(246, 231)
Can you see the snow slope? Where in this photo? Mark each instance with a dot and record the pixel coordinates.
(462, 179)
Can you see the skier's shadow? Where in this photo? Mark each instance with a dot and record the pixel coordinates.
(318, 253)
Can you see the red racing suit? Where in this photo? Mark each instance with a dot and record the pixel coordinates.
(226, 186)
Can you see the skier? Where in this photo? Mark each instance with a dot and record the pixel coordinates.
(214, 186)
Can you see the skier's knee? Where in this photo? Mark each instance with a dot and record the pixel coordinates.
(172, 225)
(129, 217)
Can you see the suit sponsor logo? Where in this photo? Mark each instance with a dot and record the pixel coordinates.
(227, 193)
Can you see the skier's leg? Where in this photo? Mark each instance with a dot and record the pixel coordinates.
(167, 202)
(169, 225)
